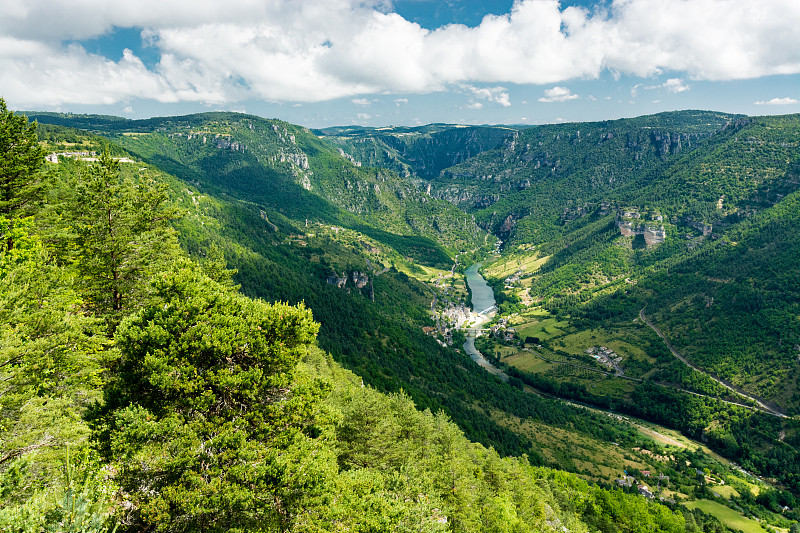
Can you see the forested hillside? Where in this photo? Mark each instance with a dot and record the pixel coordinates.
(421, 152)
(285, 167)
(681, 192)
(144, 392)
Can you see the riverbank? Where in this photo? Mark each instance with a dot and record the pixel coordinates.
(483, 309)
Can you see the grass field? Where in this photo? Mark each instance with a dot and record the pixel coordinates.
(626, 343)
(544, 328)
(528, 362)
(727, 516)
(527, 262)
(726, 491)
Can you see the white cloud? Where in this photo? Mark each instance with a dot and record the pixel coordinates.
(400, 101)
(558, 94)
(497, 95)
(362, 101)
(675, 85)
(778, 101)
(284, 50)
(474, 105)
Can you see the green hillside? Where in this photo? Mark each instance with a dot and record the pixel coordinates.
(143, 391)
(422, 152)
(701, 186)
(287, 168)
(373, 322)
(364, 250)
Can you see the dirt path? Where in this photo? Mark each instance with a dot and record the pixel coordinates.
(762, 406)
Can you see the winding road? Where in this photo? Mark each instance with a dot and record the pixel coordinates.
(762, 406)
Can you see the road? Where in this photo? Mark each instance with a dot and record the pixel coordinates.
(762, 406)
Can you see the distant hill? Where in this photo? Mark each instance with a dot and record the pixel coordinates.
(288, 168)
(422, 152)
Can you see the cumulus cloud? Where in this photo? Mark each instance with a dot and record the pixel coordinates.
(362, 101)
(497, 95)
(284, 50)
(673, 85)
(558, 94)
(778, 101)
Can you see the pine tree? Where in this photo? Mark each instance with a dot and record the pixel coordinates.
(21, 157)
(211, 428)
(122, 236)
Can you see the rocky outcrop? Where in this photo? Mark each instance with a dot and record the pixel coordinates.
(654, 235)
(699, 225)
(508, 224)
(296, 158)
(350, 157)
(632, 223)
(339, 281)
(359, 280)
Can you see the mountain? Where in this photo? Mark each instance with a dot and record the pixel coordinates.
(599, 234)
(361, 282)
(687, 188)
(287, 168)
(422, 152)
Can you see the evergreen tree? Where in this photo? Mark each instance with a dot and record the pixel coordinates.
(21, 157)
(122, 235)
(50, 370)
(210, 425)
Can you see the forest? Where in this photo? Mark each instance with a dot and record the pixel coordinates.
(174, 357)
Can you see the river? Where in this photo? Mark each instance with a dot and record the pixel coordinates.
(482, 295)
(482, 302)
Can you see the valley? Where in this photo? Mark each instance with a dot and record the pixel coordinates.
(536, 253)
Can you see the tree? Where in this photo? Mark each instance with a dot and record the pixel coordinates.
(210, 424)
(50, 371)
(21, 157)
(122, 235)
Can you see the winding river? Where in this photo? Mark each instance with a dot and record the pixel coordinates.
(483, 304)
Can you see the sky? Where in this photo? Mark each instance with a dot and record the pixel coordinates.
(321, 63)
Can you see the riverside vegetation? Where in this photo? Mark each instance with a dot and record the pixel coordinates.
(150, 386)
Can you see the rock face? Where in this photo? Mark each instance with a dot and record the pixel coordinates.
(654, 235)
(700, 226)
(508, 224)
(360, 279)
(297, 158)
(630, 223)
(357, 278)
(335, 279)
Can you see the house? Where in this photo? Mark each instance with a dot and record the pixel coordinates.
(645, 473)
(644, 490)
(626, 481)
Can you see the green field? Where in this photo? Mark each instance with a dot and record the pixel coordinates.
(506, 266)
(544, 328)
(727, 516)
(528, 362)
(726, 491)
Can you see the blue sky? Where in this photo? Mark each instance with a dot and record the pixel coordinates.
(403, 62)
